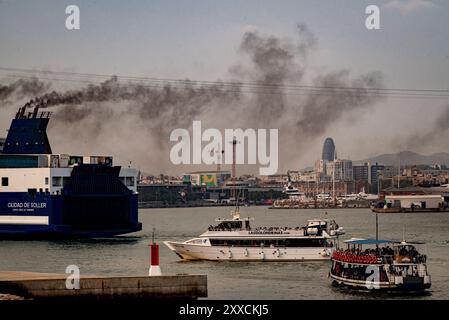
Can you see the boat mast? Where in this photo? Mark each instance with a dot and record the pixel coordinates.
(333, 181)
(219, 153)
(377, 227)
(234, 144)
(234, 194)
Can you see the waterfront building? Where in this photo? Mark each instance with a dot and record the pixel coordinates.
(295, 175)
(375, 171)
(361, 172)
(275, 179)
(309, 176)
(427, 201)
(343, 170)
(207, 178)
(320, 166)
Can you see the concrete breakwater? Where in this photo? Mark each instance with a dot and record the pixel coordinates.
(31, 285)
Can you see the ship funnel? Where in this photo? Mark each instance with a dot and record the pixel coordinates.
(35, 111)
(22, 111)
(26, 128)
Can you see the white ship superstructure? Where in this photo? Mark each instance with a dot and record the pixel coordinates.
(234, 239)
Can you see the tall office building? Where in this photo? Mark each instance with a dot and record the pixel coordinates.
(328, 150)
(361, 172)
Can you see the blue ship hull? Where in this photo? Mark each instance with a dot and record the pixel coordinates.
(62, 222)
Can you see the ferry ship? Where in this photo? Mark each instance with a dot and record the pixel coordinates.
(400, 267)
(234, 239)
(44, 194)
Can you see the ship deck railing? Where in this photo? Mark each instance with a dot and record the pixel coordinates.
(376, 258)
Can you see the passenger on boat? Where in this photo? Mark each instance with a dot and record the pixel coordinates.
(403, 252)
(387, 251)
(413, 252)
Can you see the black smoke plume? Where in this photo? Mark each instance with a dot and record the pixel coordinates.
(436, 131)
(22, 88)
(326, 107)
(139, 117)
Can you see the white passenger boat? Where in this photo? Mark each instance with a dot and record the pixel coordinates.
(234, 239)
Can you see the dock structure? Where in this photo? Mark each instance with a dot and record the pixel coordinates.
(37, 286)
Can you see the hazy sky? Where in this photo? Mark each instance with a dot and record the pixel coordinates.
(201, 39)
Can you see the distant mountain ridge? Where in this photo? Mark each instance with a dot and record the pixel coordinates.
(407, 158)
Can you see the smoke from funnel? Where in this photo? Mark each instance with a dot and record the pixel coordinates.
(436, 131)
(139, 117)
(274, 62)
(23, 88)
(323, 109)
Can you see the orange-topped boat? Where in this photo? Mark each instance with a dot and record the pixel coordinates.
(380, 265)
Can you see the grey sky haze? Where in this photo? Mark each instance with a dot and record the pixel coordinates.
(200, 39)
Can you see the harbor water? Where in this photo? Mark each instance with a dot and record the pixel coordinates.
(129, 255)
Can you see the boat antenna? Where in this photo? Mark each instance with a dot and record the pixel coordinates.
(377, 227)
(333, 180)
(233, 175)
(236, 212)
(237, 207)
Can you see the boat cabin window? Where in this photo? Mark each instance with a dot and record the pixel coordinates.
(301, 243)
(315, 228)
(408, 253)
(5, 181)
(57, 181)
(129, 181)
(197, 241)
(317, 224)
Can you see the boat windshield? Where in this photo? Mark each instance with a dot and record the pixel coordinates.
(407, 253)
(315, 228)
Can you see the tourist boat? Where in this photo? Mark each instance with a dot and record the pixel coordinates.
(234, 239)
(390, 265)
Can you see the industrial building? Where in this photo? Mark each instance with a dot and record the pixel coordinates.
(206, 178)
(427, 201)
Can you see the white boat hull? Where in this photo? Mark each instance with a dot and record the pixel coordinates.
(218, 253)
